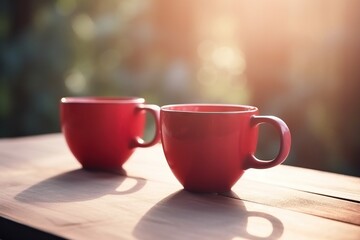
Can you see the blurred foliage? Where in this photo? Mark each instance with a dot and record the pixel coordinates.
(293, 59)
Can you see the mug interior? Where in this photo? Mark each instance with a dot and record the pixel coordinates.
(208, 108)
(102, 100)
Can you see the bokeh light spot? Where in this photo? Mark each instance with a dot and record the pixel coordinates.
(223, 57)
(229, 58)
(76, 82)
(84, 27)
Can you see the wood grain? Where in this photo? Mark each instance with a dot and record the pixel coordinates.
(43, 187)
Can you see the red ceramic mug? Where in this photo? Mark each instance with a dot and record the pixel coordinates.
(208, 146)
(103, 132)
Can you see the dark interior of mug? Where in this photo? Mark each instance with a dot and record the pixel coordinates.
(208, 108)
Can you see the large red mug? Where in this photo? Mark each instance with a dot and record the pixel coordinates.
(208, 146)
(103, 132)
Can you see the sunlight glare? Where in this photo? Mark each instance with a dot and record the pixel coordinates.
(229, 58)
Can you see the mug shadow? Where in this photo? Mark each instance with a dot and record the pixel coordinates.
(79, 185)
(185, 215)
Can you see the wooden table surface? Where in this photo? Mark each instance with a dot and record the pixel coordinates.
(44, 194)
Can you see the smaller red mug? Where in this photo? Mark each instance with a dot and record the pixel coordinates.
(103, 132)
(209, 146)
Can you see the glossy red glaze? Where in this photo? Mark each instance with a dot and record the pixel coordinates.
(102, 133)
(208, 146)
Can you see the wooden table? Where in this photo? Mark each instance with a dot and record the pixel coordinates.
(44, 194)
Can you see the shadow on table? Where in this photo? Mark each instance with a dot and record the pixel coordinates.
(185, 215)
(79, 185)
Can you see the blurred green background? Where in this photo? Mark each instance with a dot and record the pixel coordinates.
(298, 60)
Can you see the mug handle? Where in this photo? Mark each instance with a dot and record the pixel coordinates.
(285, 142)
(154, 110)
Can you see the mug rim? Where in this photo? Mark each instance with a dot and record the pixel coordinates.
(101, 100)
(231, 108)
